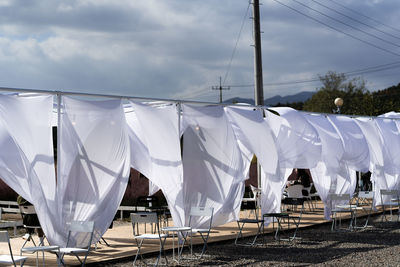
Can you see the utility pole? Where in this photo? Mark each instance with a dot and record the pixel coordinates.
(220, 88)
(258, 75)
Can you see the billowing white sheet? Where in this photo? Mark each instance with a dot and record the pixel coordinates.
(26, 154)
(213, 165)
(94, 162)
(255, 133)
(156, 151)
(299, 146)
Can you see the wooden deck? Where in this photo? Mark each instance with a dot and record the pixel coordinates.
(122, 245)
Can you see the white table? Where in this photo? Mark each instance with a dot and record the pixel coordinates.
(184, 233)
(42, 249)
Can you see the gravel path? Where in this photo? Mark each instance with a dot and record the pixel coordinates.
(318, 246)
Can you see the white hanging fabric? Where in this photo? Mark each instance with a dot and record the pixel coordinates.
(213, 166)
(255, 133)
(383, 139)
(94, 162)
(325, 174)
(155, 150)
(26, 154)
(298, 146)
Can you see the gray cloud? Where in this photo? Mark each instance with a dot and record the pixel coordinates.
(178, 49)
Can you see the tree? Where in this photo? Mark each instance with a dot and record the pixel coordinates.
(357, 100)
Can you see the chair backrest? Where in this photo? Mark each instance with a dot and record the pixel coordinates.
(4, 238)
(389, 196)
(27, 209)
(339, 199)
(144, 218)
(147, 202)
(80, 234)
(366, 194)
(201, 212)
(295, 191)
(294, 202)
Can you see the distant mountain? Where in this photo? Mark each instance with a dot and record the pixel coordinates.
(300, 97)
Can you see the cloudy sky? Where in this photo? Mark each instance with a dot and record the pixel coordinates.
(178, 49)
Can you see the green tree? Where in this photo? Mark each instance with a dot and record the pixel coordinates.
(357, 100)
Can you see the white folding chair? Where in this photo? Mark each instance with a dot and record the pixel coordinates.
(143, 218)
(205, 212)
(80, 235)
(10, 259)
(390, 200)
(340, 204)
(365, 200)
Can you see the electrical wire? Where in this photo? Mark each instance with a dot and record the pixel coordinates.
(236, 44)
(365, 16)
(356, 20)
(338, 30)
(346, 24)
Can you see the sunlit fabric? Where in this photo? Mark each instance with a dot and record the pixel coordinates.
(299, 146)
(255, 133)
(94, 162)
(356, 152)
(26, 154)
(213, 165)
(155, 149)
(383, 140)
(325, 175)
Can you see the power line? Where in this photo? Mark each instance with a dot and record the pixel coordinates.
(346, 24)
(365, 16)
(338, 30)
(236, 44)
(356, 20)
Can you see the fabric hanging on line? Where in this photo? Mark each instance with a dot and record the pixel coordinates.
(26, 154)
(255, 133)
(298, 146)
(383, 140)
(155, 131)
(94, 162)
(329, 176)
(213, 166)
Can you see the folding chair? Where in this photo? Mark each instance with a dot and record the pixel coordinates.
(390, 200)
(204, 232)
(143, 218)
(340, 204)
(365, 200)
(80, 235)
(10, 259)
(293, 215)
(241, 222)
(31, 224)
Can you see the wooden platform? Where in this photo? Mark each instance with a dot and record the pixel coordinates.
(122, 245)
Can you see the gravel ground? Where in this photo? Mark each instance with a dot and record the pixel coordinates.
(318, 246)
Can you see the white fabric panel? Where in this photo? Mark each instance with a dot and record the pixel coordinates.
(356, 152)
(26, 154)
(213, 166)
(383, 139)
(298, 145)
(298, 142)
(94, 162)
(255, 134)
(156, 134)
(325, 175)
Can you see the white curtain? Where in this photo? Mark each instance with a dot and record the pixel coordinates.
(26, 154)
(299, 146)
(383, 139)
(94, 162)
(255, 133)
(156, 151)
(213, 166)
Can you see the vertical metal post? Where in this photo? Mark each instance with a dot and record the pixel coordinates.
(58, 136)
(258, 75)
